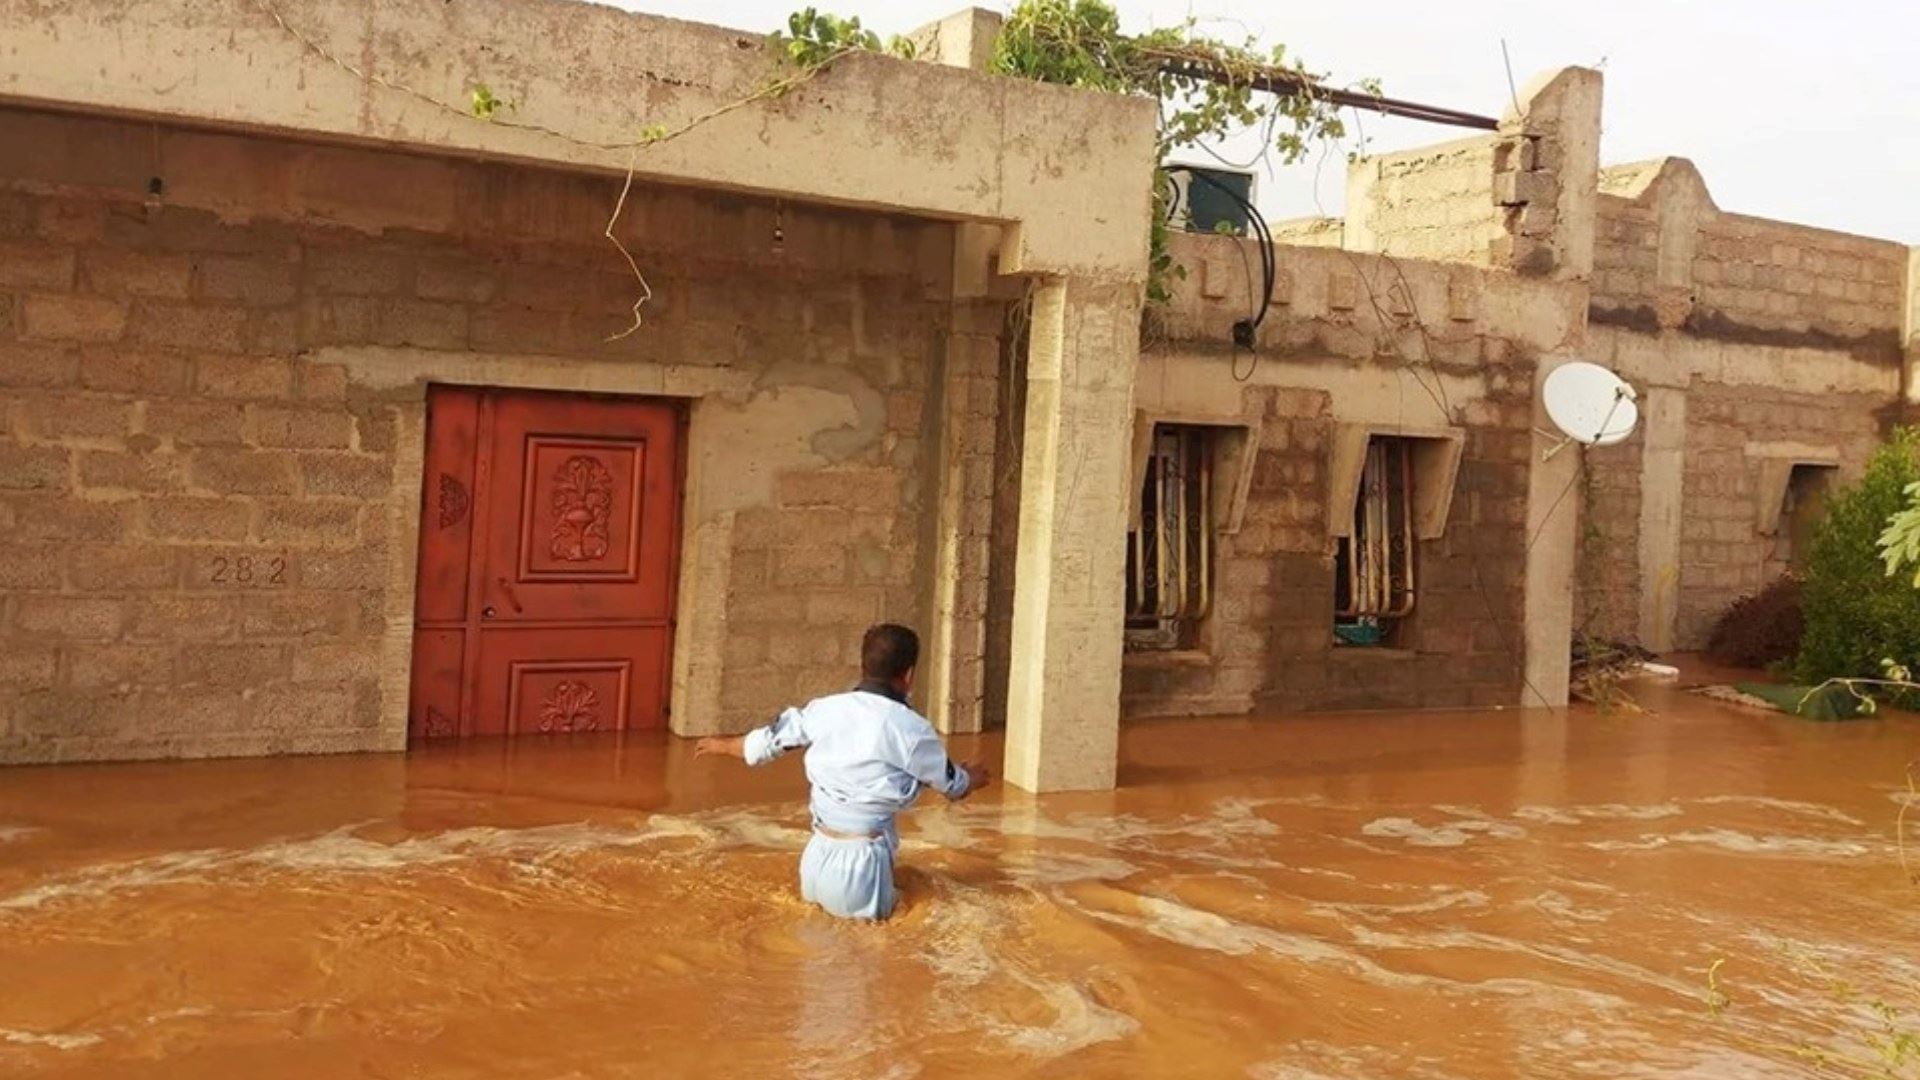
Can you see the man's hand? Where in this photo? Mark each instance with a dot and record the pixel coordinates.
(978, 774)
(727, 746)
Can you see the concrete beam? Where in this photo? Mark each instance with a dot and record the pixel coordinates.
(1070, 171)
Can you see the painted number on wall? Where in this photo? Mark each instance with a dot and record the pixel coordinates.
(260, 572)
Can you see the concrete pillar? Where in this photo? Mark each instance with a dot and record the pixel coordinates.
(1911, 336)
(1560, 118)
(965, 39)
(1553, 534)
(1663, 449)
(1063, 697)
(963, 428)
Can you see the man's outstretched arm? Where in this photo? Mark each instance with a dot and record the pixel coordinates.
(927, 762)
(761, 745)
(721, 746)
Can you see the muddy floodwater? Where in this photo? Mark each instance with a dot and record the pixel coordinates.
(1491, 894)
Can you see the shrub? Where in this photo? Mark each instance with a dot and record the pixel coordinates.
(1761, 630)
(1855, 614)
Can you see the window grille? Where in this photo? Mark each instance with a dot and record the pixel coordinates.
(1374, 573)
(1170, 554)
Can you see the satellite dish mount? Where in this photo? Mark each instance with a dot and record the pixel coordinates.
(1590, 405)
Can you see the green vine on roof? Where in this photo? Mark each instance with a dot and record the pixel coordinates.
(813, 39)
(1079, 43)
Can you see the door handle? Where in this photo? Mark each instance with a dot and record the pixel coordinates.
(512, 598)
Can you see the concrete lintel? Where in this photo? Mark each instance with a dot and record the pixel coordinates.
(1777, 462)
(1235, 455)
(1436, 465)
(1071, 168)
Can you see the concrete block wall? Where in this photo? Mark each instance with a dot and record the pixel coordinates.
(1393, 344)
(1724, 554)
(1759, 339)
(211, 407)
(1436, 202)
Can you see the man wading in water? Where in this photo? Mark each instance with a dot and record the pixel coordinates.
(868, 756)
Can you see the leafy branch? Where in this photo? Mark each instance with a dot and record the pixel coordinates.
(1206, 89)
(1887, 1044)
(1900, 543)
(813, 39)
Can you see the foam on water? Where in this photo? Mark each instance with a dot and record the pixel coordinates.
(1079, 1021)
(1033, 869)
(51, 1040)
(1443, 900)
(1451, 834)
(346, 851)
(1805, 809)
(1560, 906)
(1574, 815)
(1741, 843)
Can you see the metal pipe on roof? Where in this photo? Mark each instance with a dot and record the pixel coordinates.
(1287, 83)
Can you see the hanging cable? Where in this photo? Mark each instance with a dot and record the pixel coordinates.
(1246, 332)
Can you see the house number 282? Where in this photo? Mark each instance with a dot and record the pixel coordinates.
(247, 570)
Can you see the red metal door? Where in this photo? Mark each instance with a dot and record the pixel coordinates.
(548, 544)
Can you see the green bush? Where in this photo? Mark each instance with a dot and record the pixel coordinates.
(1856, 615)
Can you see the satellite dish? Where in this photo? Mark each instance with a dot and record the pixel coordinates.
(1590, 404)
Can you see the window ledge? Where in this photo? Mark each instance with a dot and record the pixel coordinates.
(1164, 658)
(1375, 651)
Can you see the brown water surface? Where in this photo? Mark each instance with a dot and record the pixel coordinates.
(1488, 894)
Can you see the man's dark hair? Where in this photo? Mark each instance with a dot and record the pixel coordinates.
(888, 652)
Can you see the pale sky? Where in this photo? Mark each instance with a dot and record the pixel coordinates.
(1793, 109)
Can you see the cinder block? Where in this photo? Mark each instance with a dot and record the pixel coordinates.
(853, 608)
(72, 318)
(27, 663)
(240, 665)
(253, 280)
(421, 323)
(364, 269)
(220, 328)
(57, 517)
(123, 272)
(195, 423)
(336, 320)
(122, 568)
(345, 476)
(322, 382)
(815, 565)
(172, 617)
(69, 618)
(244, 377)
(284, 521)
(180, 517)
(132, 371)
(461, 281)
(294, 614)
(30, 566)
(299, 428)
(245, 472)
(100, 667)
(1512, 188)
(37, 367)
(34, 468)
(82, 417)
(36, 266)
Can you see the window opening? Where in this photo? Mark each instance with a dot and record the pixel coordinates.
(1170, 554)
(1374, 566)
(1801, 511)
